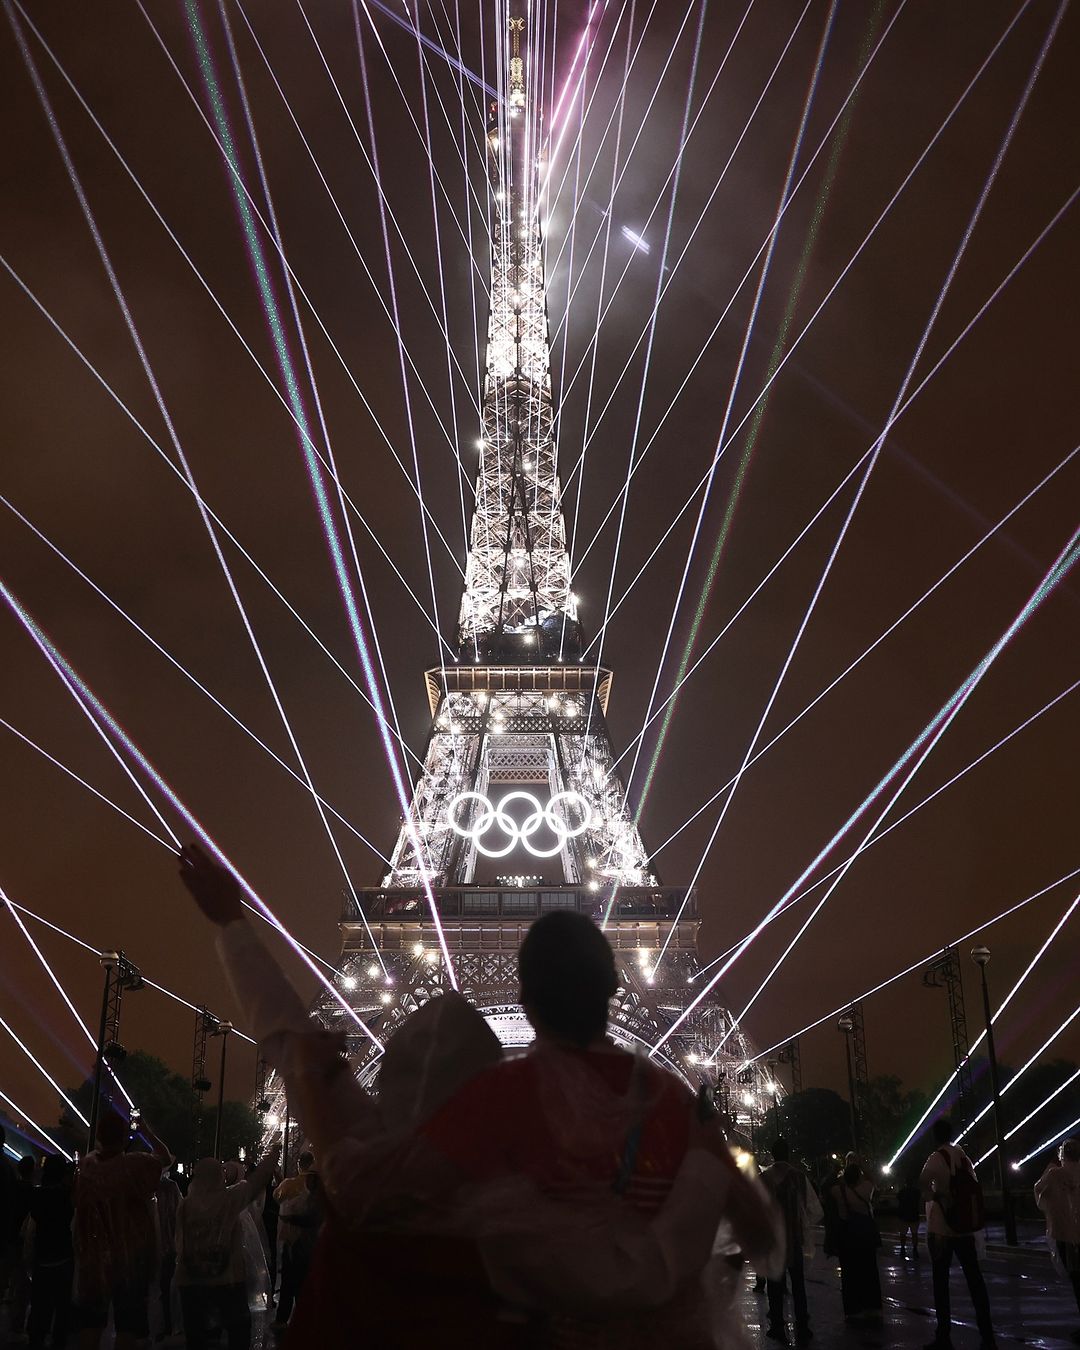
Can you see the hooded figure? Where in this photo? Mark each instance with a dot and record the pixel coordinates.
(1057, 1193)
(211, 1262)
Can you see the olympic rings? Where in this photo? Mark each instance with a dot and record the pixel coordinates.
(490, 815)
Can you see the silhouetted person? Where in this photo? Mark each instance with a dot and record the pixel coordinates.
(52, 1263)
(168, 1200)
(20, 1286)
(576, 1111)
(830, 1189)
(954, 1216)
(798, 1203)
(909, 1208)
(300, 1216)
(860, 1282)
(270, 1228)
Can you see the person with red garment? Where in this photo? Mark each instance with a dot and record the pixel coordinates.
(432, 1252)
(575, 1110)
(581, 1118)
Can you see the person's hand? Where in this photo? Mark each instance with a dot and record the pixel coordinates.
(216, 891)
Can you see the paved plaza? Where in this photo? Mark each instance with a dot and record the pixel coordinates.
(1031, 1305)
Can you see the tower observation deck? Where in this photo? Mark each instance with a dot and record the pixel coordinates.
(519, 808)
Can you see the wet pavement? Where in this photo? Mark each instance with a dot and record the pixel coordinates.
(1031, 1305)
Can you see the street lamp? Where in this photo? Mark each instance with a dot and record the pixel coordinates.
(773, 1088)
(846, 1024)
(981, 957)
(222, 1029)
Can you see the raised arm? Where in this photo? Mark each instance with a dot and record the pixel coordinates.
(260, 1178)
(158, 1149)
(318, 1082)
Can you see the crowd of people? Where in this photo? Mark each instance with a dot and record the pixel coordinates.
(577, 1196)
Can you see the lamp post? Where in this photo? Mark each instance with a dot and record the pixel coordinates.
(223, 1029)
(981, 957)
(847, 1025)
(107, 960)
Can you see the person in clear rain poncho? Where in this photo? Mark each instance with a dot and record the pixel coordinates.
(1057, 1193)
(458, 1213)
(218, 1253)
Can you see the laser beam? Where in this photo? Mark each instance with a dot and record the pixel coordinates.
(860, 490)
(832, 289)
(314, 468)
(1058, 571)
(12, 910)
(1031, 1114)
(43, 1071)
(1049, 1143)
(1022, 1070)
(93, 706)
(921, 962)
(726, 417)
(917, 1127)
(174, 438)
(750, 441)
(16, 909)
(50, 1143)
(972, 764)
(891, 628)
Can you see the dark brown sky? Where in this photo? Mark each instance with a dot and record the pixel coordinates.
(1000, 414)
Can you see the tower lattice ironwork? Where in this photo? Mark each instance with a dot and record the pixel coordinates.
(519, 808)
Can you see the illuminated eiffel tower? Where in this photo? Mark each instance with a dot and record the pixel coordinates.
(519, 809)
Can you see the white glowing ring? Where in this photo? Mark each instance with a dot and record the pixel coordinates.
(491, 814)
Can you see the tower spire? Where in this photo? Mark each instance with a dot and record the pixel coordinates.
(517, 604)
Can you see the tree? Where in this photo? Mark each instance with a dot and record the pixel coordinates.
(169, 1104)
(818, 1124)
(240, 1129)
(888, 1112)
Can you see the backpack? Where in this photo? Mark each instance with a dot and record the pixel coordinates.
(962, 1204)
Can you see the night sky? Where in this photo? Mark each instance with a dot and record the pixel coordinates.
(999, 415)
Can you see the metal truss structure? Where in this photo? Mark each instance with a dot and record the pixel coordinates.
(791, 1055)
(946, 971)
(121, 975)
(519, 765)
(206, 1025)
(853, 1026)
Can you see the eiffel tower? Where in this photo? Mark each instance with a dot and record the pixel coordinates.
(519, 771)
